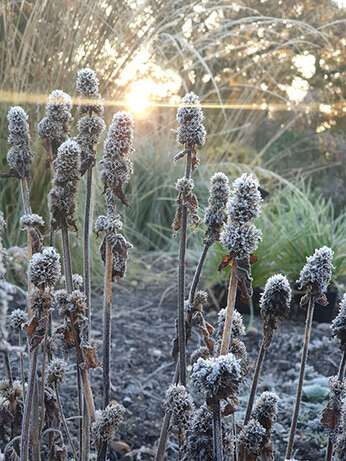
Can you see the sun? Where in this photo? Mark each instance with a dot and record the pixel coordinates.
(138, 98)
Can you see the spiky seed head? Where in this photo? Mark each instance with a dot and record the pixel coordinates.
(276, 298)
(339, 324)
(245, 203)
(18, 127)
(59, 106)
(30, 220)
(179, 405)
(44, 268)
(62, 197)
(90, 129)
(56, 372)
(202, 352)
(77, 302)
(219, 190)
(11, 392)
(108, 224)
(41, 301)
(238, 327)
(184, 186)
(241, 240)
(253, 436)
(19, 159)
(87, 83)
(220, 377)
(52, 130)
(336, 385)
(190, 117)
(266, 409)
(61, 300)
(317, 270)
(77, 281)
(238, 349)
(17, 318)
(107, 422)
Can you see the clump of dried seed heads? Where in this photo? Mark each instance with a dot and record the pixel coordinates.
(107, 422)
(44, 268)
(17, 318)
(317, 271)
(179, 405)
(56, 372)
(215, 214)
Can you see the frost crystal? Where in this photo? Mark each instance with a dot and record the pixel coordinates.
(107, 422)
(44, 268)
(318, 269)
(190, 117)
(62, 196)
(240, 240)
(339, 324)
(179, 405)
(219, 376)
(215, 213)
(246, 199)
(17, 318)
(19, 157)
(253, 436)
(56, 372)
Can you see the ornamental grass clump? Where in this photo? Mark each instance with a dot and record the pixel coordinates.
(314, 278)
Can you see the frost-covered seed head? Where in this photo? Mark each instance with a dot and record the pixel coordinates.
(339, 324)
(59, 106)
(238, 328)
(107, 422)
(30, 220)
(219, 376)
(44, 268)
(17, 318)
(336, 386)
(108, 224)
(41, 302)
(90, 129)
(318, 269)
(190, 117)
(219, 190)
(202, 352)
(116, 164)
(52, 130)
(61, 300)
(253, 436)
(179, 405)
(276, 298)
(245, 203)
(238, 349)
(18, 127)
(77, 281)
(19, 159)
(87, 82)
(77, 302)
(56, 372)
(266, 409)
(185, 186)
(242, 240)
(11, 392)
(201, 298)
(62, 197)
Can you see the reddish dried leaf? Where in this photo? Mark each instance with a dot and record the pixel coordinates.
(229, 410)
(331, 414)
(227, 260)
(243, 274)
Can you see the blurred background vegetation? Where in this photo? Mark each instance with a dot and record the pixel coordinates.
(271, 77)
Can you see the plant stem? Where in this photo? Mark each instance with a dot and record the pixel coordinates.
(341, 373)
(27, 210)
(64, 423)
(227, 329)
(197, 274)
(43, 376)
(35, 424)
(24, 443)
(258, 368)
(181, 284)
(20, 344)
(308, 326)
(217, 433)
(167, 418)
(8, 368)
(69, 286)
(106, 337)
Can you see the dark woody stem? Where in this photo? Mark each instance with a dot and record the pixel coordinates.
(260, 359)
(232, 291)
(217, 433)
(167, 418)
(62, 416)
(181, 282)
(341, 373)
(308, 326)
(107, 304)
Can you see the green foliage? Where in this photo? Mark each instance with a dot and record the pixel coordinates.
(316, 390)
